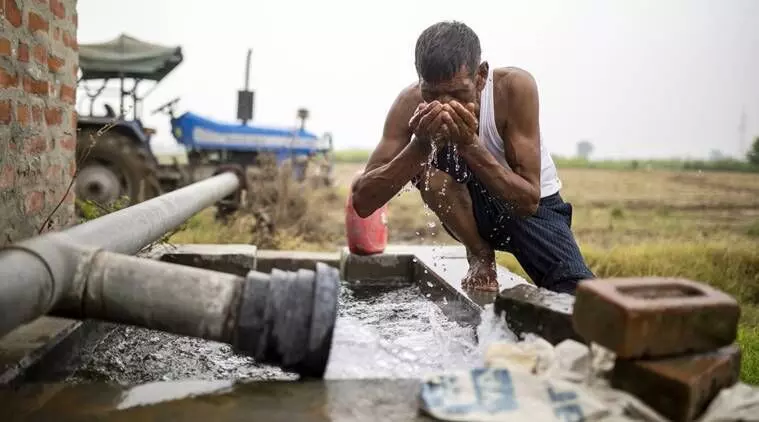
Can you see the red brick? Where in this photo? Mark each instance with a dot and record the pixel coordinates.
(40, 54)
(34, 202)
(5, 47)
(37, 114)
(74, 118)
(35, 145)
(57, 8)
(7, 80)
(69, 40)
(11, 12)
(5, 112)
(68, 143)
(75, 19)
(72, 167)
(7, 176)
(37, 23)
(654, 317)
(23, 114)
(23, 52)
(54, 173)
(54, 64)
(34, 86)
(679, 388)
(53, 116)
(68, 94)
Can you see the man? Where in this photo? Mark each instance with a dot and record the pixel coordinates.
(492, 183)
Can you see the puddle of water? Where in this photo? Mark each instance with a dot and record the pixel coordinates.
(389, 333)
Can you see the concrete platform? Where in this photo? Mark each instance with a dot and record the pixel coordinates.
(365, 400)
(438, 271)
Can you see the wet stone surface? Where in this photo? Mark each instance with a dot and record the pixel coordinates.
(529, 309)
(130, 355)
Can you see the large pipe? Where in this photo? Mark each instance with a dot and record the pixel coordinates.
(35, 273)
(283, 318)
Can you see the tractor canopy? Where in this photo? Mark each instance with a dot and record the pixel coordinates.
(127, 57)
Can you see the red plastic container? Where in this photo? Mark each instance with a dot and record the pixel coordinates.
(366, 236)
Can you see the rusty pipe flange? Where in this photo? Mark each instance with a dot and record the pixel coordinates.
(287, 318)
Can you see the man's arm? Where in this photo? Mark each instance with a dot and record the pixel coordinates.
(521, 185)
(395, 161)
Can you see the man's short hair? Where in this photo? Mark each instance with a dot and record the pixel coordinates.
(443, 48)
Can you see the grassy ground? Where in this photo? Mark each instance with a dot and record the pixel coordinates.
(699, 225)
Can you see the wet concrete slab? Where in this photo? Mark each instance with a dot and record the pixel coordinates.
(266, 260)
(236, 259)
(344, 400)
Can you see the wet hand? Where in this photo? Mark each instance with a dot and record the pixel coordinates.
(461, 122)
(428, 121)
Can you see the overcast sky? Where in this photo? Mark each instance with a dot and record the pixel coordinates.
(644, 78)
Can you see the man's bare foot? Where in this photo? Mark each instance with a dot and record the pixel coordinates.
(482, 274)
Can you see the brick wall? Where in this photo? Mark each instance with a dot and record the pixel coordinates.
(38, 68)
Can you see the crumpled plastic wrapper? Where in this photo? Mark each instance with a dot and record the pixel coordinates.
(531, 380)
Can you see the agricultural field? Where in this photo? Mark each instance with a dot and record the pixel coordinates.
(702, 225)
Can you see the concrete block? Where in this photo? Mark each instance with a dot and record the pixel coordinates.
(654, 317)
(679, 388)
(381, 268)
(529, 309)
(235, 259)
(266, 260)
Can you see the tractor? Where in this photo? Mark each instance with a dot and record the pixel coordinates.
(113, 153)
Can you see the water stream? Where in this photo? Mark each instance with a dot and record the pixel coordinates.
(388, 333)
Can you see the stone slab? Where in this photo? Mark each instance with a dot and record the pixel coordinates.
(654, 317)
(348, 400)
(266, 260)
(236, 259)
(679, 388)
(528, 309)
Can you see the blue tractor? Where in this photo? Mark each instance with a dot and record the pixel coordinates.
(114, 156)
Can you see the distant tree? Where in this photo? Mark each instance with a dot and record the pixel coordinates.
(753, 153)
(716, 155)
(584, 149)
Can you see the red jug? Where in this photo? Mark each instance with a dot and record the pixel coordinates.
(366, 236)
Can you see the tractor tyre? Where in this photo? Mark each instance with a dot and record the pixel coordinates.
(112, 166)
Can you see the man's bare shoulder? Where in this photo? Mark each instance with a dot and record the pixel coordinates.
(512, 81)
(404, 105)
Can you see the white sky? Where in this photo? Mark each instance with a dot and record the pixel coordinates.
(642, 78)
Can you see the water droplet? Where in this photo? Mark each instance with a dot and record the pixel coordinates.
(430, 284)
(417, 233)
(425, 271)
(415, 260)
(431, 224)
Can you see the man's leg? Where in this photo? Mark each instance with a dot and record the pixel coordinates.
(545, 246)
(452, 204)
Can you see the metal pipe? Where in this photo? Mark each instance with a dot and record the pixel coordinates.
(35, 273)
(153, 294)
(283, 318)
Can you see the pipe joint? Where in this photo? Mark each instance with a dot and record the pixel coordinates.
(287, 318)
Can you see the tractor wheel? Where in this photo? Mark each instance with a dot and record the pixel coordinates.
(112, 166)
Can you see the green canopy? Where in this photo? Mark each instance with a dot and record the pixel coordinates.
(128, 57)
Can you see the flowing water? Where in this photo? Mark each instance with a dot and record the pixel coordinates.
(388, 333)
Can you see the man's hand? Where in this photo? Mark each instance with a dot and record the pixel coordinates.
(461, 122)
(427, 123)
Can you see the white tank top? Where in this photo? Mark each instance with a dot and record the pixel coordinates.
(491, 139)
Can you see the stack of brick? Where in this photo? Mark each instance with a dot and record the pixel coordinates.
(38, 69)
(674, 339)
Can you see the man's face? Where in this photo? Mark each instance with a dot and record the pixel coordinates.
(462, 87)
